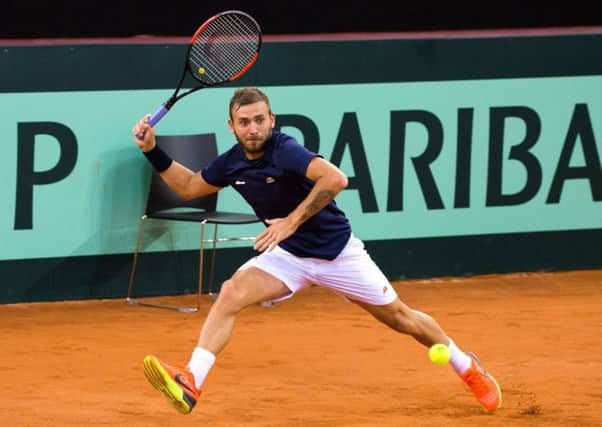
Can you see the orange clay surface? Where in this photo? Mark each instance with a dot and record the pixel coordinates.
(315, 360)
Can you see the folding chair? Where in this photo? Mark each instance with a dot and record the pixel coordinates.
(194, 152)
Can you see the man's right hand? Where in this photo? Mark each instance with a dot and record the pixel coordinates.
(144, 134)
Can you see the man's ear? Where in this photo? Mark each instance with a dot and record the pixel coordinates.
(231, 125)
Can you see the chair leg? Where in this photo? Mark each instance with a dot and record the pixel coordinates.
(212, 271)
(133, 301)
(201, 259)
(134, 262)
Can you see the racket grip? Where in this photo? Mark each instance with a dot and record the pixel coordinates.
(157, 115)
(154, 119)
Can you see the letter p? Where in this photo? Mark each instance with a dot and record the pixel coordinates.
(27, 177)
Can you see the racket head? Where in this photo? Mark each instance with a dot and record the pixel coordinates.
(224, 47)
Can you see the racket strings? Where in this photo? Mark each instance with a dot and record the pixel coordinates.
(224, 48)
(226, 56)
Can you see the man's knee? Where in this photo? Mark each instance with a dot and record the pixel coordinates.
(403, 321)
(231, 296)
(400, 317)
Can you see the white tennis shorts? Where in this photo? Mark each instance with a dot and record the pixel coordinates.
(352, 274)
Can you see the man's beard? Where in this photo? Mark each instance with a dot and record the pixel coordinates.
(253, 150)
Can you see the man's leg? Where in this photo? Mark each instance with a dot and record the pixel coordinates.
(182, 386)
(354, 274)
(424, 329)
(245, 288)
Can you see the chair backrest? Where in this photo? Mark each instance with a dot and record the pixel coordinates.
(193, 151)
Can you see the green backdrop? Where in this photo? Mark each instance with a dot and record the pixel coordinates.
(464, 155)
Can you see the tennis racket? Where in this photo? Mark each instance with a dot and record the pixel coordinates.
(222, 49)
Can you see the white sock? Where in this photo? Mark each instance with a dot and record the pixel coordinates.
(200, 363)
(459, 360)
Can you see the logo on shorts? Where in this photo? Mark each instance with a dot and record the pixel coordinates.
(269, 180)
(237, 182)
(385, 289)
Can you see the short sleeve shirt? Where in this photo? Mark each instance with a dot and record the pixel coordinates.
(274, 185)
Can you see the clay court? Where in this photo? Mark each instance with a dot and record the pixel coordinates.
(316, 360)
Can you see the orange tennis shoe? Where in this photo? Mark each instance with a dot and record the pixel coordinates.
(176, 384)
(483, 385)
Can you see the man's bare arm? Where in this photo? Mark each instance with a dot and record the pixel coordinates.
(183, 181)
(329, 181)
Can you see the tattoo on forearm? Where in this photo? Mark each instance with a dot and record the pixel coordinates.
(320, 200)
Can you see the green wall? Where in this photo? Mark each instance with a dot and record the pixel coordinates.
(465, 156)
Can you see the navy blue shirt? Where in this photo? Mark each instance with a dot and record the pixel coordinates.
(274, 185)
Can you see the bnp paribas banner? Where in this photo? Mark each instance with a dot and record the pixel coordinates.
(425, 159)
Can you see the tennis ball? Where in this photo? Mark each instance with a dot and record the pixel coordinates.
(201, 70)
(439, 354)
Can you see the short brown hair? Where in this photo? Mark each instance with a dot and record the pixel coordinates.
(246, 96)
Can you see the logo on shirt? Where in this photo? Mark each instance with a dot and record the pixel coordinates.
(269, 180)
(237, 182)
(385, 289)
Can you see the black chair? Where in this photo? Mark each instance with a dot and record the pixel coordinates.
(194, 152)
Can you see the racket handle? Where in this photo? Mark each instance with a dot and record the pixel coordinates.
(154, 119)
(157, 115)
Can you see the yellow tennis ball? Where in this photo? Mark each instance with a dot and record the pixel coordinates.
(439, 354)
(201, 70)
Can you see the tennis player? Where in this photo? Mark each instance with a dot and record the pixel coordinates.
(307, 240)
